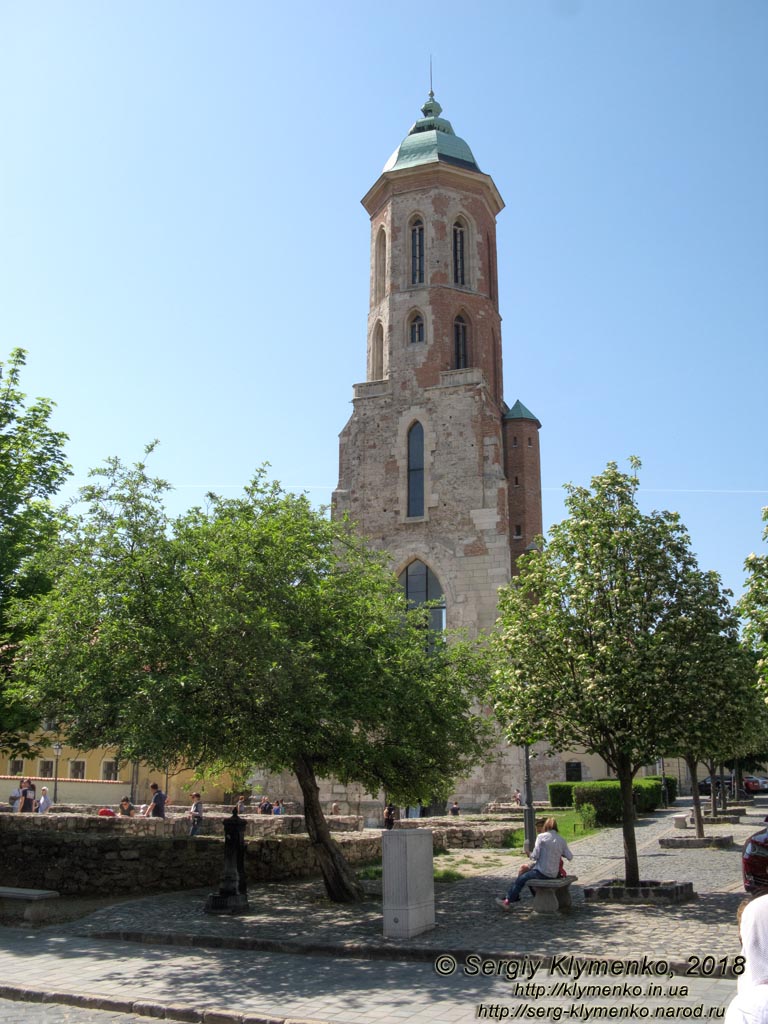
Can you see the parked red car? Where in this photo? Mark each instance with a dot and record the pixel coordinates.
(754, 862)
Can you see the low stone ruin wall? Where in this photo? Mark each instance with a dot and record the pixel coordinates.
(100, 860)
(80, 819)
(87, 855)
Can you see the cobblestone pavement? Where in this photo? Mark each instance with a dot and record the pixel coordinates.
(248, 965)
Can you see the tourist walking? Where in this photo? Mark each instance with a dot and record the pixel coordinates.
(45, 802)
(196, 815)
(156, 808)
(389, 815)
(545, 860)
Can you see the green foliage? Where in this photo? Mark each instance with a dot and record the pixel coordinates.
(648, 796)
(448, 875)
(604, 798)
(253, 631)
(607, 632)
(32, 469)
(514, 839)
(671, 785)
(561, 793)
(371, 873)
(588, 816)
(754, 607)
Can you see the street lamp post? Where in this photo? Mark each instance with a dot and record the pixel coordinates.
(57, 748)
(529, 815)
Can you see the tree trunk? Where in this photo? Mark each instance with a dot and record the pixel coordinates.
(340, 881)
(699, 821)
(723, 790)
(713, 788)
(631, 866)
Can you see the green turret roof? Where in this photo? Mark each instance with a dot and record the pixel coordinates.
(520, 412)
(431, 140)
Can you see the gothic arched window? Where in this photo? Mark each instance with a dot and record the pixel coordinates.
(416, 470)
(421, 585)
(459, 248)
(417, 251)
(377, 353)
(416, 328)
(380, 266)
(460, 344)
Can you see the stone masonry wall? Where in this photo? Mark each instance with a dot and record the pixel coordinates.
(91, 856)
(76, 855)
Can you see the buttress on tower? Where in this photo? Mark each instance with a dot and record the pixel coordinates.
(434, 466)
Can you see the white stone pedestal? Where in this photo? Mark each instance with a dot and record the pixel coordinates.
(408, 882)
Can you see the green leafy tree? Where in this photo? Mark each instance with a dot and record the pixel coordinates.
(255, 631)
(32, 468)
(717, 713)
(588, 634)
(754, 606)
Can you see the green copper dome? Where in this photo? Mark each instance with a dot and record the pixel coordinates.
(431, 140)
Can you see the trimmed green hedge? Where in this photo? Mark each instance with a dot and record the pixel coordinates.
(561, 793)
(605, 797)
(671, 785)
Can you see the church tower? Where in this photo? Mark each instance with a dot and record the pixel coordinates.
(434, 466)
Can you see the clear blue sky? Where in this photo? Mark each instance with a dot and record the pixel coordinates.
(184, 255)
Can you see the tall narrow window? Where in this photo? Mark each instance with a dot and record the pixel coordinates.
(377, 353)
(461, 349)
(421, 585)
(380, 267)
(416, 470)
(459, 235)
(417, 328)
(417, 252)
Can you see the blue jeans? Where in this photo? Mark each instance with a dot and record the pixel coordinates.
(521, 881)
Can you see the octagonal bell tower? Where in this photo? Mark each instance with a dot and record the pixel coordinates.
(434, 466)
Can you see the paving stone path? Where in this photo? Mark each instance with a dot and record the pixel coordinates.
(296, 957)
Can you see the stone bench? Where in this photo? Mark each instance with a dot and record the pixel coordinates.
(25, 903)
(552, 894)
(680, 820)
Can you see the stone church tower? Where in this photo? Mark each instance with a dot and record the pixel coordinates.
(434, 466)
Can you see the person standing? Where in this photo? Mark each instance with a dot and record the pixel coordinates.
(45, 801)
(156, 808)
(27, 797)
(389, 815)
(545, 862)
(196, 815)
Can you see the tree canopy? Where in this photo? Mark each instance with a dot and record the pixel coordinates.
(32, 469)
(254, 631)
(754, 605)
(596, 633)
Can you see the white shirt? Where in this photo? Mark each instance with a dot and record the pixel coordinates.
(549, 848)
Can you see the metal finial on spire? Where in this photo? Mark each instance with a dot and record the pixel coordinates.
(431, 108)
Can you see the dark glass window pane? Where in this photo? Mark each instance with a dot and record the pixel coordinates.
(461, 360)
(458, 254)
(420, 585)
(417, 330)
(416, 470)
(417, 252)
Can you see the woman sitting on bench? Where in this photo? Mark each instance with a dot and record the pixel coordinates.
(545, 862)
